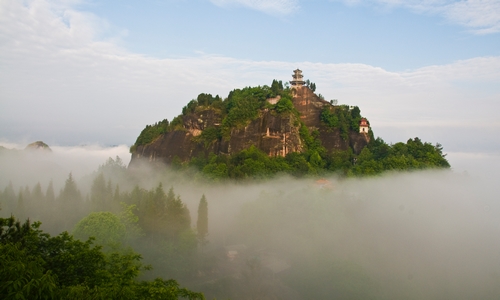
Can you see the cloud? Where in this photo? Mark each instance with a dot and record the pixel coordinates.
(63, 85)
(280, 7)
(480, 16)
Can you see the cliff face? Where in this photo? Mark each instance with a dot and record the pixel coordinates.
(273, 134)
(310, 105)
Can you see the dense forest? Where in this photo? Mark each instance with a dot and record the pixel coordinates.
(97, 254)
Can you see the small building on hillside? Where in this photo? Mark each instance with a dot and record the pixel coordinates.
(364, 126)
(323, 184)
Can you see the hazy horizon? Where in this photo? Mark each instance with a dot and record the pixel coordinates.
(86, 77)
(414, 235)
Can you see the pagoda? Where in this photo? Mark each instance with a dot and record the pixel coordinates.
(297, 78)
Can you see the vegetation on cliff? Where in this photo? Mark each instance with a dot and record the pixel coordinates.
(240, 107)
(244, 105)
(342, 117)
(374, 159)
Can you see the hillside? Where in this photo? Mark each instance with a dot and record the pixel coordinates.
(260, 131)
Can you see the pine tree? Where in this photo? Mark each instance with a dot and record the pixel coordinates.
(21, 209)
(202, 222)
(9, 198)
(27, 197)
(37, 194)
(99, 193)
(70, 193)
(116, 197)
(49, 195)
(177, 214)
(70, 204)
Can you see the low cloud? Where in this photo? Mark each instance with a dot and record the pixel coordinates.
(479, 16)
(414, 235)
(23, 167)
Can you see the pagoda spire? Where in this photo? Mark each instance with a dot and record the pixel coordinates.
(297, 78)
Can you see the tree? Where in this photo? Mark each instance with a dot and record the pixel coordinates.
(70, 193)
(99, 194)
(70, 203)
(34, 265)
(105, 227)
(21, 209)
(49, 194)
(313, 87)
(177, 215)
(9, 198)
(276, 87)
(202, 222)
(22, 276)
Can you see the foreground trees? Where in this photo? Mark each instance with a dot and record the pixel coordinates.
(34, 265)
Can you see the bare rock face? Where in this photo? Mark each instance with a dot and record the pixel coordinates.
(274, 134)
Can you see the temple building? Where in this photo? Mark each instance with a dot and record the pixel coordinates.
(297, 78)
(364, 127)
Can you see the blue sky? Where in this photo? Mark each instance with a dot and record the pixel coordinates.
(395, 37)
(96, 72)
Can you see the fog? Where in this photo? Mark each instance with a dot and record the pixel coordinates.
(29, 167)
(416, 235)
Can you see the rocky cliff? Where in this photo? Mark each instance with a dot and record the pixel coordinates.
(273, 133)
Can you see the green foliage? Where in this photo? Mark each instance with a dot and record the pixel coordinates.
(151, 132)
(242, 106)
(276, 88)
(34, 265)
(130, 220)
(285, 105)
(374, 159)
(176, 124)
(22, 275)
(209, 136)
(311, 85)
(340, 161)
(161, 215)
(329, 117)
(214, 170)
(101, 193)
(70, 193)
(202, 101)
(105, 227)
(342, 117)
(177, 215)
(413, 155)
(166, 290)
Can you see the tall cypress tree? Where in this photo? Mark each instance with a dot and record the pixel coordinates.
(202, 222)
(50, 195)
(21, 209)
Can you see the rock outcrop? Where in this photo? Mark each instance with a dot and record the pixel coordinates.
(272, 133)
